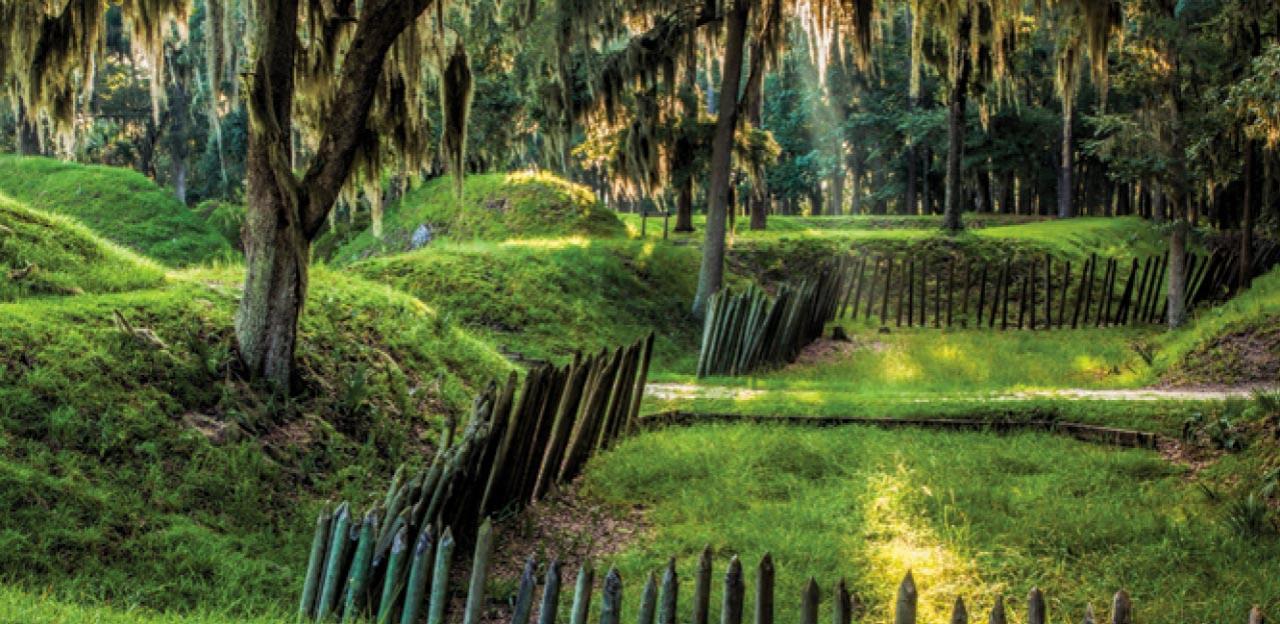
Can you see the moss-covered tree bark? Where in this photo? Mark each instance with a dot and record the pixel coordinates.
(711, 273)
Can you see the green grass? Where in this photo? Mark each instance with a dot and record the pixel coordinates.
(45, 254)
(970, 514)
(23, 607)
(141, 475)
(493, 207)
(1204, 351)
(120, 205)
(544, 299)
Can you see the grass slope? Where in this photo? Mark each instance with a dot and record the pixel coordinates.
(45, 254)
(120, 205)
(543, 299)
(1237, 342)
(135, 470)
(494, 206)
(971, 515)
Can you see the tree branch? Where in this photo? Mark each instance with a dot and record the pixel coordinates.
(345, 129)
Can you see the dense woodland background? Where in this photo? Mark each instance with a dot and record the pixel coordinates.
(844, 135)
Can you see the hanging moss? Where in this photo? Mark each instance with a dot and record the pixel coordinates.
(456, 91)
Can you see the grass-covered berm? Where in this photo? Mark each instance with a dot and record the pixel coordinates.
(136, 469)
(120, 205)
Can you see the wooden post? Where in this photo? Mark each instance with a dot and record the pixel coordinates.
(840, 611)
(1121, 609)
(582, 595)
(937, 295)
(809, 603)
(982, 294)
(924, 291)
(1255, 616)
(1086, 285)
(968, 283)
(1035, 607)
(857, 296)
(764, 590)
(997, 612)
(648, 601)
(958, 613)
(871, 287)
(1048, 291)
(731, 611)
(440, 579)
(1062, 296)
(884, 301)
(1108, 293)
(1122, 313)
(1088, 615)
(905, 609)
(1005, 277)
(1135, 315)
(524, 596)
(1029, 293)
(670, 594)
(702, 587)
(550, 595)
(911, 294)
(611, 598)
(1154, 310)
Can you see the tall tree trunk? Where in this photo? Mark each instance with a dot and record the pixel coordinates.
(683, 153)
(1177, 275)
(1066, 207)
(711, 273)
(1250, 208)
(955, 145)
(1158, 212)
(758, 198)
(276, 246)
(926, 190)
(837, 190)
(28, 133)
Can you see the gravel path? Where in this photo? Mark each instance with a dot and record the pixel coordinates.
(679, 391)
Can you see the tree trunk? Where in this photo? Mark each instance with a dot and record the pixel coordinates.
(711, 273)
(683, 153)
(684, 207)
(276, 246)
(1066, 207)
(837, 190)
(28, 133)
(955, 145)
(758, 198)
(1177, 276)
(1250, 208)
(1157, 205)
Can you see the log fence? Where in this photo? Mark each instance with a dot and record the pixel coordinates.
(659, 597)
(513, 450)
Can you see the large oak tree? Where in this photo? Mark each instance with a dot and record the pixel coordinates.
(347, 72)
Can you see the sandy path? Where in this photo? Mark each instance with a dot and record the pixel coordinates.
(679, 391)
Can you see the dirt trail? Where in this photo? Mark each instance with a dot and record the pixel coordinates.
(679, 391)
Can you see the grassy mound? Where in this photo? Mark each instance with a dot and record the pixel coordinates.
(1234, 343)
(971, 514)
(542, 299)
(135, 469)
(120, 205)
(495, 206)
(773, 256)
(44, 254)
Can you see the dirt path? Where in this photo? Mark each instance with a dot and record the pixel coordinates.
(679, 391)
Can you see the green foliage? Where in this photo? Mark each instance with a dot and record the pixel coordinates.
(44, 254)
(971, 514)
(119, 205)
(136, 469)
(493, 207)
(543, 299)
(225, 217)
